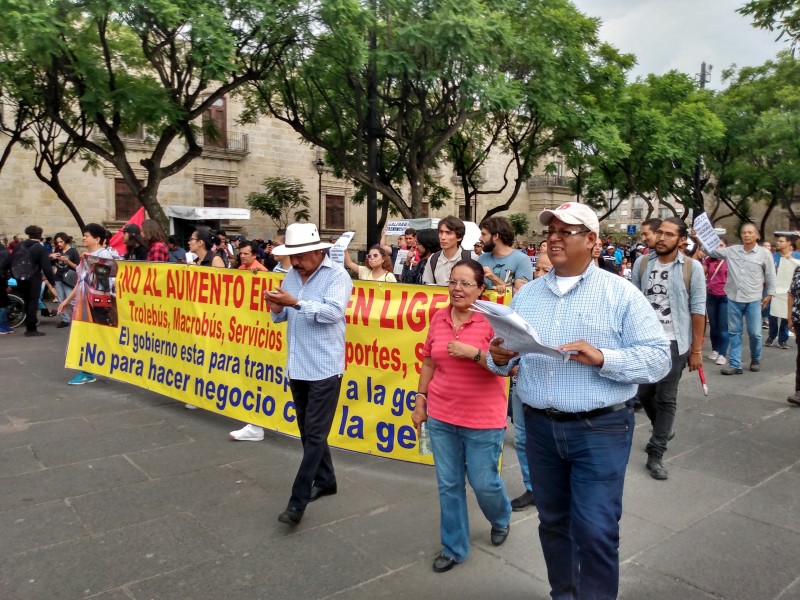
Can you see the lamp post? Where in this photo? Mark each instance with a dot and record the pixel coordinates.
(320, 165)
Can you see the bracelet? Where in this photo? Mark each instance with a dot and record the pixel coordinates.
(422, 394)
(697, 351)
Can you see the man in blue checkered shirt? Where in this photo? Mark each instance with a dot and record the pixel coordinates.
(578, 418)
(313, 300)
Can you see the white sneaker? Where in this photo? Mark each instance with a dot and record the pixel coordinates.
(248, 433)
(714, 355)
(190, 407)
(721, 360)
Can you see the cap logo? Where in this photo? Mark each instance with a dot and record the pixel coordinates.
(564, 206)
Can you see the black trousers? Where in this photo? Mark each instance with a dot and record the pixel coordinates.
(315, 405)
(29, 291)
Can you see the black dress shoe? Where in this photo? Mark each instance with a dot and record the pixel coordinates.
(523, 502)
(443, 563)
(499, 534)
(291, 516)
(36, 333)
(318, 492)
(62, 325)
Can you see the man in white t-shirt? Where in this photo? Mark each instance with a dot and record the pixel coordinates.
(681, 312)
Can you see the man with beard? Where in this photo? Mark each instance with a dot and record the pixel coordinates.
(676, 289)
(502, 265)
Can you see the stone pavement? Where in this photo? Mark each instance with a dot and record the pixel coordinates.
(111, 492)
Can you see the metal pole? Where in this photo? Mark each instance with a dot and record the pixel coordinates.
(699, 202)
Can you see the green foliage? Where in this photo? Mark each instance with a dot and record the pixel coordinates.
(103, 70)
(775, 15)
(283, 200)
(520, 223)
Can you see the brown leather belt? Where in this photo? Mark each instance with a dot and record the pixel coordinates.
(557, 415)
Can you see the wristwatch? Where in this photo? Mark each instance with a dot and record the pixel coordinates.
(297, 306)
(477, 357)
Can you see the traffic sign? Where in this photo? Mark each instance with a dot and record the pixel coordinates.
(631, 229)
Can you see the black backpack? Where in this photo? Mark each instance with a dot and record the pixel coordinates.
(465, 255)
(22, 265)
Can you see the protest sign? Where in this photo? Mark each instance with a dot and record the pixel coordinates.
(204, 336)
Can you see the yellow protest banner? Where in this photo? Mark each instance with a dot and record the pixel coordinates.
(205, 337)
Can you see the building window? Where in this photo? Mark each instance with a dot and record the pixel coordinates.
(334, 211)
(637, 214)
(664, 213)
(125, 201)
(216, 196)
(215, 128)
(462, 212)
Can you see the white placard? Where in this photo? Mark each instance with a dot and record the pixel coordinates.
(396, 227)
(340, 247)
(704, 230)
(400, 261)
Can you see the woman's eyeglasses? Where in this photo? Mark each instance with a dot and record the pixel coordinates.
(464, 284)
(373, 255)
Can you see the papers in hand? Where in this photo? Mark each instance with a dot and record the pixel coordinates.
(518, 335)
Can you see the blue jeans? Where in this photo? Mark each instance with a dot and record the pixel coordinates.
(737, 312)
(778, 328)
(578, 471)
(63, 290)
(474, 453)
(518, 417)
(717, 308)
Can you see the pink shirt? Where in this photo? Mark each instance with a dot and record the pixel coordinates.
(715, 284)
(462, 392)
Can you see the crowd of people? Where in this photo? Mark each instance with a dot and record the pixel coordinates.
(573, 420)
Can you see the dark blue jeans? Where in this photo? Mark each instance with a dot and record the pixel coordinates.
(578, 472)
(717, 308)
(778, 328)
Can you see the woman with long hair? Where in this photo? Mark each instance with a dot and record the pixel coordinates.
(200, 243)
(427, 244)
(135, 246)
(156, 241)
(65, 261)
(377, 266)
(463, 405)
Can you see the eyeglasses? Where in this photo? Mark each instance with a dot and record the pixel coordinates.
(666, 234)
(193, 239)
(464, 284)
(373, 255)
(564, 233)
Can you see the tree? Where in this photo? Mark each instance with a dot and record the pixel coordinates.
(104, 72)
(565, 80)
(284, 200)
(436, 65)
(780, 15)
(520, 224)
(760, 160)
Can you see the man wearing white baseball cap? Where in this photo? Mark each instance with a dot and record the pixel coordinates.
(578, 414)
(313, 300)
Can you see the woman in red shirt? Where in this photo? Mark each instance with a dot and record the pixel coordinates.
(717, 306)
(465, 406)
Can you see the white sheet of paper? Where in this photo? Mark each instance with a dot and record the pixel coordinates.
(517, 333)
(705, 232)
(401, 260)
(396, 227)
(340, 247)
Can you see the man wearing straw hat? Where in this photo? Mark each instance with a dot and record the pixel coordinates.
(313, 300)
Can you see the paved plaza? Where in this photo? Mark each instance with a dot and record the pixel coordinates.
(115, 493)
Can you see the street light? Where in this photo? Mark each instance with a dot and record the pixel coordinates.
(320, 165)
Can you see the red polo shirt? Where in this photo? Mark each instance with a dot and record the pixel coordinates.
(462, 392)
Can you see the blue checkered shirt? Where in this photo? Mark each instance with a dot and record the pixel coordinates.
(316, 331)
(608, 312)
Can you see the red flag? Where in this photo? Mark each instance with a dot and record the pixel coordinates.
(116, 240)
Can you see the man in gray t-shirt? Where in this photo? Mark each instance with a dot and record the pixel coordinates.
(502, 265)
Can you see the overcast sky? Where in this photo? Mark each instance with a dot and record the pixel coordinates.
(680, 34)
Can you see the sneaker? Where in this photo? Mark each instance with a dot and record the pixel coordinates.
(35, 333)
(714, 355)
(62, 325)
(82, 378)
(764, 324)
(794, 399)
(523, 502)
(5, 330)
(755, 366)
(248, 433)
(783, 345)
(769, 342)
(721, 360)
(731, 371)
(189, 407)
